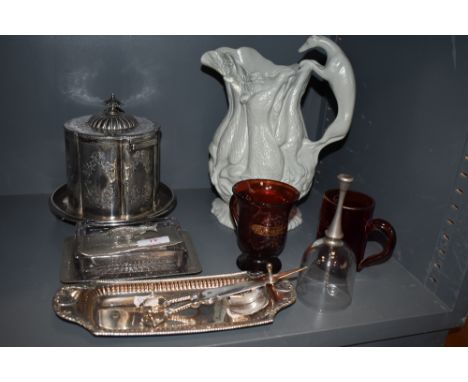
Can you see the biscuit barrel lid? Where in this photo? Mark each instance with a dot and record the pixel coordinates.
(113, 118)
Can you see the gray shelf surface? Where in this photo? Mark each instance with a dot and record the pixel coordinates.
(388, 301)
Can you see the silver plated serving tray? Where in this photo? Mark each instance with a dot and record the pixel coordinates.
(70, 270)
(117, 309)
(59, 203)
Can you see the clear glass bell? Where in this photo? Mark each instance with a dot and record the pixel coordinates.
(327, 283)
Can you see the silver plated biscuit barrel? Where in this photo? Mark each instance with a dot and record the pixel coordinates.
(112, 162)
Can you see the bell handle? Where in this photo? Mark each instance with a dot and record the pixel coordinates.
(335, 231)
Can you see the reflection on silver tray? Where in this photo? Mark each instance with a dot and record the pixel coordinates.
(70, 270)
(116, 309)
(60, 206)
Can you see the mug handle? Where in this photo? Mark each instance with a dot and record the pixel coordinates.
(233, 210)
(385, 228)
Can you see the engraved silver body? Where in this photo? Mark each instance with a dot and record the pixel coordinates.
(112, 164)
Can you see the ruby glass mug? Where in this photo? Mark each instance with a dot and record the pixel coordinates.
(358, 226)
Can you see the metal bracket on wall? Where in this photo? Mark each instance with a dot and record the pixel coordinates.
(449, 266)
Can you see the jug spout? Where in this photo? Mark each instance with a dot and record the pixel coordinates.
(212, 60)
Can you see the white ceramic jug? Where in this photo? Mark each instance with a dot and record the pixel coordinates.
(263, 134)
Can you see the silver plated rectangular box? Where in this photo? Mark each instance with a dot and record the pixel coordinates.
(151, 250)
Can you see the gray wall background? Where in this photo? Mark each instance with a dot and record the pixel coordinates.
(48, 80)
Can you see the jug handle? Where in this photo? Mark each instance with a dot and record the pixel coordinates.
(338, 72)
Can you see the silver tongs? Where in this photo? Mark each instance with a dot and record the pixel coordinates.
(166, 308)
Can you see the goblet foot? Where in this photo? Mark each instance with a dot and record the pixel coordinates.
(255, 264)
(220, 209)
